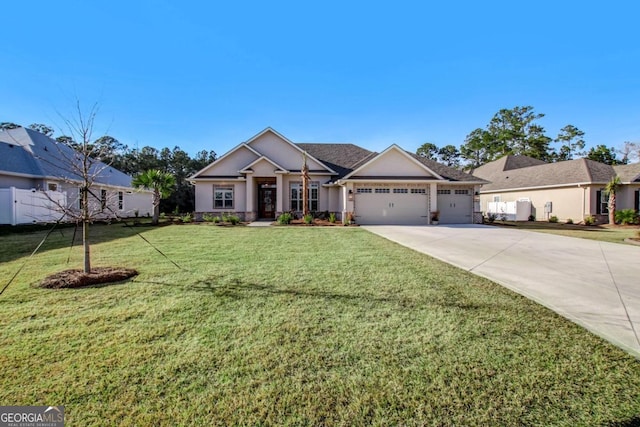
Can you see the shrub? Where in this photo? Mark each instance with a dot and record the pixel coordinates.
(626, 216)
(285, 218)
(553, 219)
(531, 218)
(308, 219)
(589, 220)
(491, 217)
(569, 221)
(186, 218)
(332, 217)
(216, 219)
(233, 219)
(208, 218)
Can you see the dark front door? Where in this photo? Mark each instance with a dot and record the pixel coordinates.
(266, 201)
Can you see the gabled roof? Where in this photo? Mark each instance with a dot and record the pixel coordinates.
(342, 158)
(446, 172)
(29, 153)
(224, 156)
(260, 159)
(569, 172)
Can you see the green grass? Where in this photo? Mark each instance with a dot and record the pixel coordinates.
(603, 233)
(293, 326)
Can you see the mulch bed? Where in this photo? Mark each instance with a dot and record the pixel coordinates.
(79, 279)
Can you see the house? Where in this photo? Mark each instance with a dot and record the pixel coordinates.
(36, 176)
(571, 189)
(261, 178)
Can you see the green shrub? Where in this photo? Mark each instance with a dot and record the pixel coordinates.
(553, 219)
(589, 220)
(216, 219)
(208, 218)
(308, 219)
(285, 218)
(626, 216)
(531, 218)
(186, 218)
(233, 219)
(491, 217)
(332, 217)
(569, 221)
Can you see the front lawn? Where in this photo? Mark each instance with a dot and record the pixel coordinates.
(293, 326)
(603, 233)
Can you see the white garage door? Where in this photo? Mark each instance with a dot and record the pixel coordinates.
(455, 206)
(391, 205)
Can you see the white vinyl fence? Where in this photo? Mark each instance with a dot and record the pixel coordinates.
(19, 206)
(511, 211)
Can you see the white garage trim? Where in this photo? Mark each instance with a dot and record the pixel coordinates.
(391, 203)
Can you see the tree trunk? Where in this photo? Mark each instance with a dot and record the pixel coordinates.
(85, 230)
(156, 208)
(612, 208)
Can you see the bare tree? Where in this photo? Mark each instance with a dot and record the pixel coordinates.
(75, 162)
(305, 185)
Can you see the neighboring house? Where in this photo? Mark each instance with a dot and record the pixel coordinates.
(34, 171)
(571, 189)
(261, 178)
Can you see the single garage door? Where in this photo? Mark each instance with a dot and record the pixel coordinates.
(455, 206)
(392, 205)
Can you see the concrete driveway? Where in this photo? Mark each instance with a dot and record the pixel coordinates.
(595, 284)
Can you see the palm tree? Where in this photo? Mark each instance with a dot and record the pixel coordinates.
(161, 183)
(611, 189)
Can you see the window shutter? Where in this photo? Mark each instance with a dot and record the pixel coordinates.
(636, 202)
(598, 202)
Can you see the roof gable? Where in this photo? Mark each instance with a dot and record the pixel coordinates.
(392, 162)
(230, 163)
(281, 151)
(263, 166)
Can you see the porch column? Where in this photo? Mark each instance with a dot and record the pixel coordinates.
(345, 200)
(433, 198)
(250, 198)
(279, 194)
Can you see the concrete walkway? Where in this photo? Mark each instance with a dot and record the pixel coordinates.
(595, 284)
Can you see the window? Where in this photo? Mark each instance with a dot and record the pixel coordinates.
(400, 191)
(52, 186)
(296, 196)
(120, 200)
(103, 199)
(447, 191)
(222, 197)
(363, 190)
(602, 201)
(418, 191)
(466, 192)
(497, 199)
(382, 190)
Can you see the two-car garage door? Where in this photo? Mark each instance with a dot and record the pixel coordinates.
(399, 205)
(392, 205)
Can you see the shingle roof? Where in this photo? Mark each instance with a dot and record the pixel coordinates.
(31, 153)
(628, 173)
(342, 158)
(445, 171)
(543, 175)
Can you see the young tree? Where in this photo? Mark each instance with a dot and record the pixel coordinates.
(304, 173)
(479, 148)
(428, 150)
(629, 151)
(611, 189)
(161, 183)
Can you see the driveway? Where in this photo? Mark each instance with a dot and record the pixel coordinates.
(595, 284)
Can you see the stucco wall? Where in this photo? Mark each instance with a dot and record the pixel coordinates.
(281, 152)
(393, 163)
(231, 164)
(204, 196)
(570, 202)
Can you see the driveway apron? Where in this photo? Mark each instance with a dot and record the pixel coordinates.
(595, 284)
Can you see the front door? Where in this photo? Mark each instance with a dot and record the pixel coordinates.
(266, 201)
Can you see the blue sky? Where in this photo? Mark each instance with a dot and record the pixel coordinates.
(209, 75)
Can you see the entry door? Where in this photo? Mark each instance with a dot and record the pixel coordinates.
(266, 203)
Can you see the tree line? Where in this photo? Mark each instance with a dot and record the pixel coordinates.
(517, 131)
(134, 161)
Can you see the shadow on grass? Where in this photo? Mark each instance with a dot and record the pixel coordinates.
(632, 422)
(238, 289)
(541, 225)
